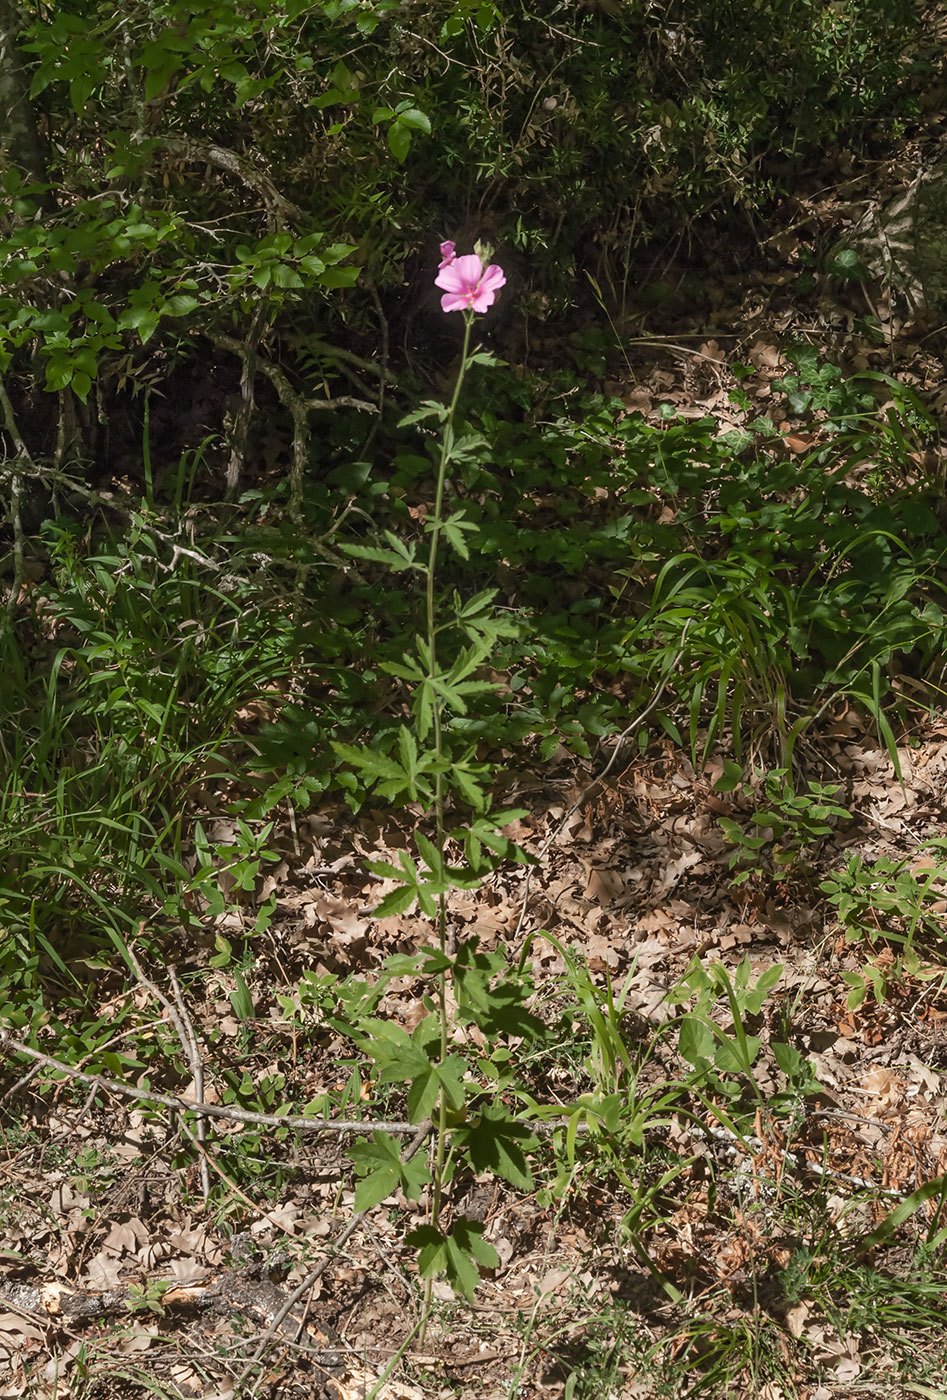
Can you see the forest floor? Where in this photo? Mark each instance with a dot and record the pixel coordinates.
(119, 1280)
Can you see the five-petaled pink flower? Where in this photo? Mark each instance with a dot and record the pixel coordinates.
(466, 283)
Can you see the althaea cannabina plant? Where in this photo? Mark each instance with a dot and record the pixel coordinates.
(431, 757)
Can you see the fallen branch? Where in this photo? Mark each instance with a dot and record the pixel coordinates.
(211, 1110)
(311, 1278)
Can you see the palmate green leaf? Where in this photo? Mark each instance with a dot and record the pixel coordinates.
(376, 765)
(379, 1164)
(399, 1056)
(453, 694)
(450, 1078)
(379, 556)
(497, 1143)
(430, 854)
(475, 607)
(407, 671)
(456, 1255)
(379, 1183)
(469, 660)
(423, 1095)
(454, 537)
(463, 779)
(408, 749)
(429, 409)
(484, 832)
(414, 1177)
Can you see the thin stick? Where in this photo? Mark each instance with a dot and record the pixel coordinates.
(240, 429)
(184, 1030)
(313, 1277)
(23, 461)
(208, 1161)
(212, 1110)
(197, 1074)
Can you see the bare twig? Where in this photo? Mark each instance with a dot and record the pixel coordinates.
(315, 1274)
(240, 428)
(184, 1030)
(213, 1110)
(197, 1074)
(282, 210)
(207, 1161)
(299, 409)
(22, 462)
(383, 377)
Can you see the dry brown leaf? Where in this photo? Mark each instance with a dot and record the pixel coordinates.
(605, 886)
(795, 1318)
(552, 1281)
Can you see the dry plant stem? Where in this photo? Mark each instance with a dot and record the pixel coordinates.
(22, 462)
(600, 777)
(179, 551)
(241, 423)
(383, 371)
(197, 1074)
(184, 1030)
(315, 1274)
(299, 409)
(207, 1161)
(11, 1045)
(440, 1148)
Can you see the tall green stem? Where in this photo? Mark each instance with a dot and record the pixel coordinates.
(440, 1150)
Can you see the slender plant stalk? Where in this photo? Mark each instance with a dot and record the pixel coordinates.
(440, 1146)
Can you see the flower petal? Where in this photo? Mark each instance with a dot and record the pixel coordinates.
(461, 274)
(470, 269)
(455, 301)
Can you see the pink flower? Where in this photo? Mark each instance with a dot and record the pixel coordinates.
(447, 254)
(466, 283)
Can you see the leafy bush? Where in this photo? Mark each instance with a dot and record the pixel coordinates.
(217, 164)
